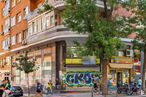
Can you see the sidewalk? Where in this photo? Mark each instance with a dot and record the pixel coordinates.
(86, 95)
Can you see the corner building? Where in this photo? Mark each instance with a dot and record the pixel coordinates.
(48, 41)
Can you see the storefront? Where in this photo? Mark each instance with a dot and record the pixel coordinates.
(44, 57)
(121, 69)
(79, 74)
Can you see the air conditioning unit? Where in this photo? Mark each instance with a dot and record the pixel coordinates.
(129, 53)
(24, 42)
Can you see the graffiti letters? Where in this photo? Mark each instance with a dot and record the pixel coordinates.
(80, 79)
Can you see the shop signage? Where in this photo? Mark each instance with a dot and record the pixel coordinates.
(80, 78)
(81, 62)
(122, 60)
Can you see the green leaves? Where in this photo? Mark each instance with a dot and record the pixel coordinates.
(83, 16)
(46, 7)
(80, 15)
(23, 63)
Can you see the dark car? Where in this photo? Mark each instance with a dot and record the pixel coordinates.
(17, 92)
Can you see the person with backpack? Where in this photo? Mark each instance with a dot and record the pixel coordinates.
(39, 89)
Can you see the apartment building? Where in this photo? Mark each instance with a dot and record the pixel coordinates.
(48, 41)
(13, 29)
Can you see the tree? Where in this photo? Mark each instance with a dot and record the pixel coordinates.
(83, 16)
(23, 63)
(137, 24)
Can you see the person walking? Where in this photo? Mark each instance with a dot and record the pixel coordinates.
(2, 88)
(49, 88)
(6, 88)
(39, 89)
(139, 83)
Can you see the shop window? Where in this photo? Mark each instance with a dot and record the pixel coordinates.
(74, 52)
(46, 72)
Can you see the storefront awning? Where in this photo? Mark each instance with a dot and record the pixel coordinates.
(121, 66)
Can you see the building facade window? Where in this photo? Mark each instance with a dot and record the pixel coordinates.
(6, 43)
(13, 39)
(18, 1)
(13, 3)
(3, 44)
(7, 25)
(52, 20)
(18, 17)
(13, 21)
(44, 23)
(26, 10)
(19, 38)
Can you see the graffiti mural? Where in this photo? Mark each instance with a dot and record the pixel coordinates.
(80, 78)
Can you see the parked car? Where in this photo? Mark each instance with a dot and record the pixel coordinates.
(17, 92)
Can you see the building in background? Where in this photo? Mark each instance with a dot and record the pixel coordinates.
(13, 30)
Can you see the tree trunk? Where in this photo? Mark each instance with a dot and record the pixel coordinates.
(104, 76)
(105, 8)
(144, 69)
(28, 84)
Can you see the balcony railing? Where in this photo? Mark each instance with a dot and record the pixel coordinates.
(58, 3)
(32, 14)
(61, 3)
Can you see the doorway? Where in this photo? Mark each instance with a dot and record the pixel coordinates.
(119, 79)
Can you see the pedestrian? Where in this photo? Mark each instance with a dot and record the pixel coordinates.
(96, 85)
(6, 88)
(49, 88)
(139, 83)
(2, 88)
(39, 89)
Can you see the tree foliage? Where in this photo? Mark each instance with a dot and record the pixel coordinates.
(83, 16)
(137, 24)
(25, 64)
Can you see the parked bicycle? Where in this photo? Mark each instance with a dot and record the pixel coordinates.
(134, 88)
(124, 88)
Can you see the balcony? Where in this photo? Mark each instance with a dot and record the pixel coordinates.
(32, 14)
(46, 27)
(58, 4)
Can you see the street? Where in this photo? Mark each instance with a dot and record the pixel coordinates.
(86, 95)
